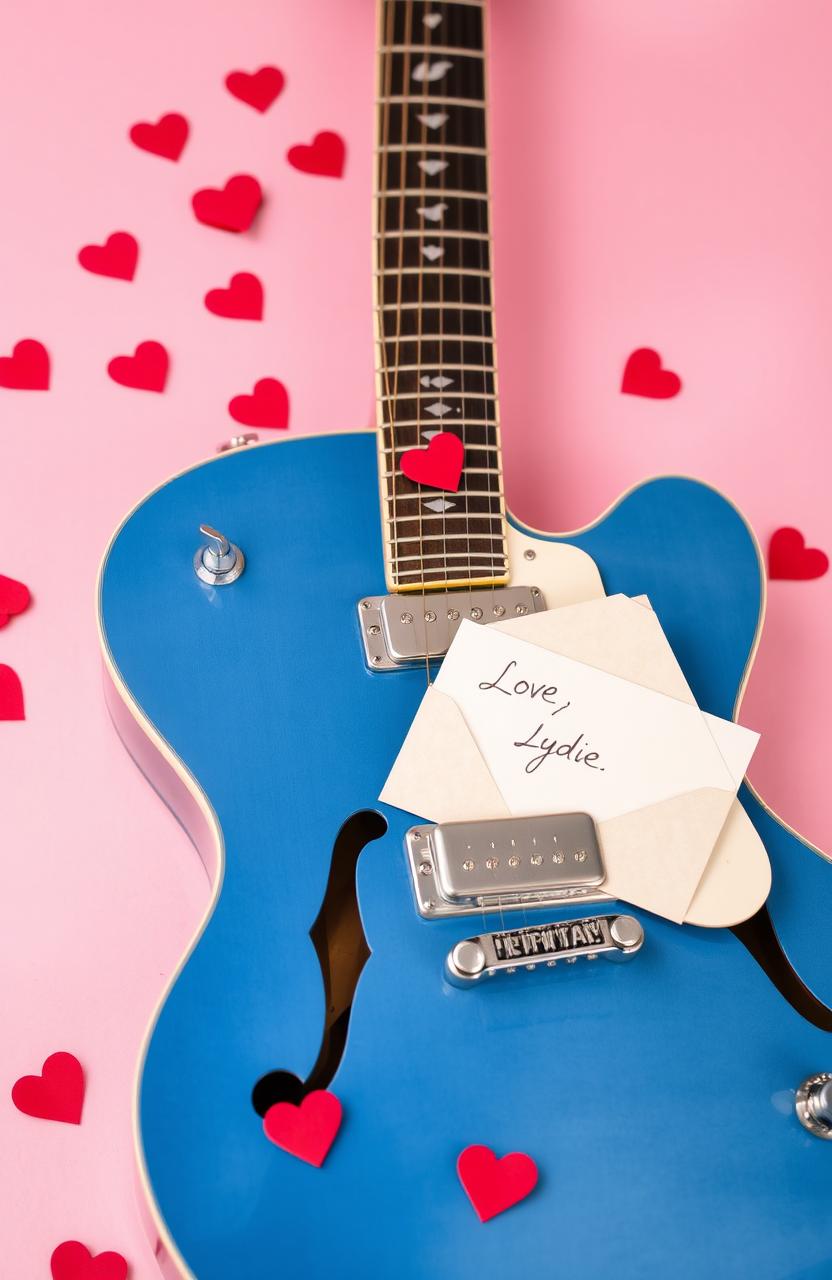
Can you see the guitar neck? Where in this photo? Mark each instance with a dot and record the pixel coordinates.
(436, 367)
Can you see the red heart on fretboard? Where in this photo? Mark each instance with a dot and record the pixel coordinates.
(257, 88)
(439, 465)
(166, 138)
(644, 376)
(145, 370)
(307, 1131)
(73, 1261)
(494, 1185)
(14, 598)
(27, 368)
(116, 258)
(790, 558)
(325, 155)
(232, 207)
(242, 300)
(268, 406)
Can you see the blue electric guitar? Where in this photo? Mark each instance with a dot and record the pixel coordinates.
(264, 672)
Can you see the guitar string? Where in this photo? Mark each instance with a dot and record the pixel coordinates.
(419, 309)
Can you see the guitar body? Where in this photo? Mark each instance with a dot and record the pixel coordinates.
(656, 1096)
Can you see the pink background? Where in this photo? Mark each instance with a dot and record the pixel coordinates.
(662, 179)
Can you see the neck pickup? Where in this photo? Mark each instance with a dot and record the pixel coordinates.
(404, 631)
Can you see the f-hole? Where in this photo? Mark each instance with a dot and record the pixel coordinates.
(338, 937)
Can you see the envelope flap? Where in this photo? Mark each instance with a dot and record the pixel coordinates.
(615, 633)
(439, 774)
(654, 855)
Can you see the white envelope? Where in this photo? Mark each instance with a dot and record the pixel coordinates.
(718, 872)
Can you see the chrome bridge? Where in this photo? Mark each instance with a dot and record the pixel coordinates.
(467, 868)
(542, 946)
(403, 630)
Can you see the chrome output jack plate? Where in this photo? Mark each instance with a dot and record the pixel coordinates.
(813, 1104)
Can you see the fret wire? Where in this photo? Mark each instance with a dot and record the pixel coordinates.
(426, 368)
(456, 515)
(443, 537)
(475, 558)
(400, 99)
(482, 237)
(448, 50)
(447, 395)
(438, 337)
(431, 423)
(437, 306)
(399, 148)
(430, 192)
(469, 471)
(475, 273)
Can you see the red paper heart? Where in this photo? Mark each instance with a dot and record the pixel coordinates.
(146, 370)
(233, 207)
(57, 1093)
(27, 368)
(14, 598)
(644, 376)
(307, 1131)
(242, 300)
(789, 557)
(73, 1261)
(258, 88)
(11, 695)
(439, 465)
(116, 258)
(267, 407)
(325, 155)
(494, 1185)
(166, 138)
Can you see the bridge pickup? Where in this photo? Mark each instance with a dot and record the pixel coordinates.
(466, 868)
(403, 630)
(542, 946)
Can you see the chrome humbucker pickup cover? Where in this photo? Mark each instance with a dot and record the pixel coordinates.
(542, 946)
(403, 630)
(466, 868)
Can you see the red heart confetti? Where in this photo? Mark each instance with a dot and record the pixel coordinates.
(116, 258)
(644, 376)
(166, 138)
(14, 598)
(146, 369)
(57, 1093)
(11, 695)
(73, 1261)
(494, 1185)
(242, 300)
(27, 368)
(257, 88)
(268, 406)
(789, 557)
(307, 1131)
(233, 207)
(325, 155)
(439, 465)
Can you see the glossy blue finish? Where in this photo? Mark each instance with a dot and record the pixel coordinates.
(654, 1096)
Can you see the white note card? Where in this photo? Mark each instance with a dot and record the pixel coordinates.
(558, 735)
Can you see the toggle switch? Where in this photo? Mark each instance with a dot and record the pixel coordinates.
(218, 561)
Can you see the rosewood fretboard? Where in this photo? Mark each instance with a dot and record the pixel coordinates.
(436, 364)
